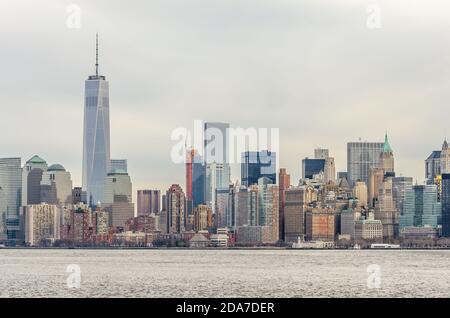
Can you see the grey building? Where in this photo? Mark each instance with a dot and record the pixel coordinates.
(119, 164)
(361, 156)
(421, 207)
(445, 200)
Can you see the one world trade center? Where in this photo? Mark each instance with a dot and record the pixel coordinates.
(96, 136)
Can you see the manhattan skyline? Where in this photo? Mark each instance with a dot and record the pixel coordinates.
(348, 73)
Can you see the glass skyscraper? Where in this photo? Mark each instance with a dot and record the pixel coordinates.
(361, 156)
(11, 185)
(445, 199)
(420, 207)
(217, 166)
(255, 165)
(96, 137)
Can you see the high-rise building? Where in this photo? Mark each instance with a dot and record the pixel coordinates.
(385, 210)
(445, 158)
(221, 207)
(378, 173)
(361, 156)
(321, 153)
(284, 181)
(176, 210)
(320, 224)
(56, 186)
(269, 206)
(329, 170)
(312, 167)
(360, 193)
(77, 194)
(217, 166)
(257, 164)
(96, 136)
(190, 157)
(119, 164)
(3, 236)
(11, 185)
(294, 214)
(42, 223)
(421, 207)
(148, 202)
(202, 217)
(198, 180)
(445, 200)
(433, 166)
(31, 180)
(117, 183)
(399, 186)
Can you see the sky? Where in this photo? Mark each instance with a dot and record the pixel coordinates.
(315, 69)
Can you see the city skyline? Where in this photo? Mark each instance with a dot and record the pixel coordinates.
(139, 112)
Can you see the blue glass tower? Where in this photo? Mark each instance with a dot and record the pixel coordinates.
(255, 165)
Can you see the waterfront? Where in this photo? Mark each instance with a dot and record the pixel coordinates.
(224, 273)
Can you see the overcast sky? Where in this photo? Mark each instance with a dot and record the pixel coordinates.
(313, 69)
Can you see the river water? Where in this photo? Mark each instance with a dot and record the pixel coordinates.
(224, 273)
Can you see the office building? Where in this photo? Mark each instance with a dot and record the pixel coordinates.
(117, 182)
(258, 164)
(433, 166)
(321, 153)
(175, 202)
(119, 164)
(198, 180)
(284, 181)
(148, 202)
(42, 224)
(269, 206)
(360, 193)
(220, 217)
(96, 136)
(31, 180)
(320, 224)
(11, 185)
(56, 186)
(202, 218)
(445, 158)
(217, 167)
(399, 186)
(361, 156)
(445, 201)
(312, 167)
(386, 212)
(421, 207)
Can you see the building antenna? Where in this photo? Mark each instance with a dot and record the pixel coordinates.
(96, 55)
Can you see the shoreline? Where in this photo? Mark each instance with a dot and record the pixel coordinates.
(224, 248)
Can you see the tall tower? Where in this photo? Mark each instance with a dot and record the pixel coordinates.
(96, 136)
(445, 158)
(387, 156)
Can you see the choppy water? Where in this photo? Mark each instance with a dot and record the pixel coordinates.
(224, 273)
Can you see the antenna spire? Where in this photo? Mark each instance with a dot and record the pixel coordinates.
(96, 55)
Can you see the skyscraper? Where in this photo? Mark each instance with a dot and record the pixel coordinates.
(198, 181)
(96, 136)
(56, 186)
(119, 164)
(255, 165)
(445, 158)
(217, 167)
(421, 207)
(190, 155)
(445, 200)
(148, 202)
(31, 180)
(361, 156)
(433, 166)
(175, 209)
(284, 181)
(312, 167)
(11, 185)
(269, 206)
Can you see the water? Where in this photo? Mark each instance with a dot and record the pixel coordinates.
(224, 273)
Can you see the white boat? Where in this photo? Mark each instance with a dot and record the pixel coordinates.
(356, 247)
(384, 246)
